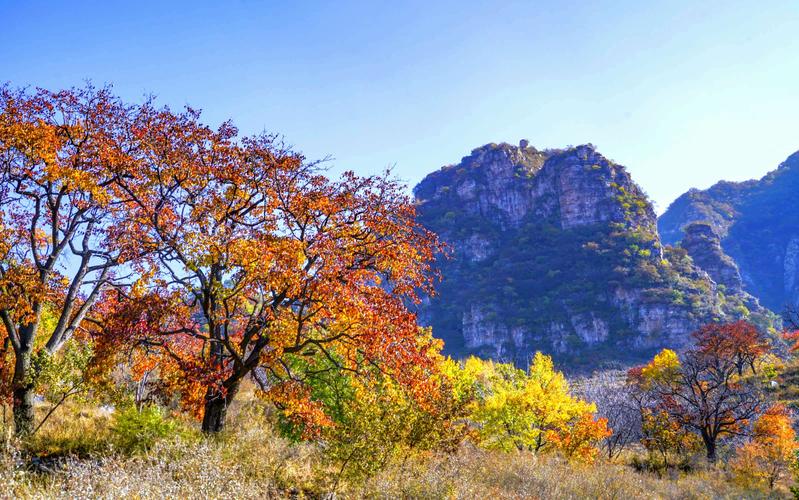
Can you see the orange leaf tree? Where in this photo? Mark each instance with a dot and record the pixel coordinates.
(771, 452)
(702, 392)
(58, 155)
(254, 257)
(579, 440)
(739, 342)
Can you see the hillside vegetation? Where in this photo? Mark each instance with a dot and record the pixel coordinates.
(558, 251)
(79, 457)
(757, 223)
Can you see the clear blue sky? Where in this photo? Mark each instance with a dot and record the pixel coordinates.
(683, 93)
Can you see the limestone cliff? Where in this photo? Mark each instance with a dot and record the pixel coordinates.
(557, 250)
(704, 247)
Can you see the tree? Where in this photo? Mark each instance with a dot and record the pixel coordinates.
(534, 410)
(710, 398)
(660, 434)
(579, 440)
(771, 452)
(375, 420)
(58, 155)
(253, 256)
(702, 392)
(615, 402)
(739, 342)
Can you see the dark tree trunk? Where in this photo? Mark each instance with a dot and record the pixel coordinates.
(710, 446)
(22, 389)
(216, 406)
(215, 412)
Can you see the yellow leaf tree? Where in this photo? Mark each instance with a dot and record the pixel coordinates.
(534, 410)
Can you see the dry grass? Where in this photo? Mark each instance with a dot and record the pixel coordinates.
(475, 473)
(250, 461)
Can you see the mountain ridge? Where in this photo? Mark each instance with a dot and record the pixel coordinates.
(757, 222)
(558, 250)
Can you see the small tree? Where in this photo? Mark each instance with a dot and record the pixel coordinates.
(616, 402)
(771, 452)
(663, 436)
(374, 420)
(580, 439)
(534, 410)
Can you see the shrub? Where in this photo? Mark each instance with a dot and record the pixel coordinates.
(770, 453)
(136, 431)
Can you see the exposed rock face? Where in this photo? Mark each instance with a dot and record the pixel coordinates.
(758, 226)
(591, 329)
(506, 184)
(558, 251)
(791, 271)
(654, 324)
(704, 247)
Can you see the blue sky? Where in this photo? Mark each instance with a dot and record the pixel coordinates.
(683, 93)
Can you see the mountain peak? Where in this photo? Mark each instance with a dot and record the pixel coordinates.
(507, 184)
(792, 162)
(556, 250)
(758, 226)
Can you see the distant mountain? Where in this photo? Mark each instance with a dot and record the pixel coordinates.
(558, 250)
(758, 225)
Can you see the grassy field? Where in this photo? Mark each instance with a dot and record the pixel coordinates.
(77, 455)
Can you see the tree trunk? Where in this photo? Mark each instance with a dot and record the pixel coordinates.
(216, 406)
(710, 446)
(22, 389)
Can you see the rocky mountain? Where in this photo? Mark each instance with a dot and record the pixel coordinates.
(558, 250)
(757, 223)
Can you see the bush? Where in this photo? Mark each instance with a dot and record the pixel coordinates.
(138, 430)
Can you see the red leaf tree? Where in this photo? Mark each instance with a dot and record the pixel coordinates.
(254, 257)
(739, 342)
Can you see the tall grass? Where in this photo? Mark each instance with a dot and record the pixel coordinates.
(250, 461)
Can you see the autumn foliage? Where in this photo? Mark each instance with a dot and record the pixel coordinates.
(772, 450)
(705, 391)
(59, 157)
(533, 410)
(739, 342)
(150, 260)
(254, 257)
(233, 253)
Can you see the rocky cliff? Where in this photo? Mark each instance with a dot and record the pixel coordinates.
(704, 247)
(757, 223)
(557, 250)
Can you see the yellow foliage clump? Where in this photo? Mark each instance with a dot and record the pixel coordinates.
(532, 410)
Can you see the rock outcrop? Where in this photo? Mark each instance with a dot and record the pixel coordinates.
(757, 223)
(557, 250)
(704, 247)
